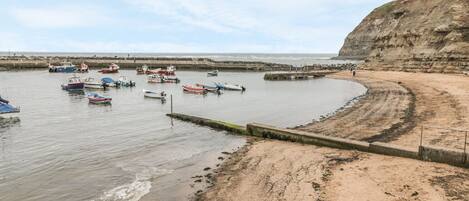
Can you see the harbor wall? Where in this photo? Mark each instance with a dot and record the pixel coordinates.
(38, 62)
(22, 63)
(425, 153)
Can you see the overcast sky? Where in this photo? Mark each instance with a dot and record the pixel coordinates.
(215, 26)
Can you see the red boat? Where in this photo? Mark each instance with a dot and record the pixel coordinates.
(170, 70)
(83, 68)
(113, 68)
(194, 89)
(98, 99)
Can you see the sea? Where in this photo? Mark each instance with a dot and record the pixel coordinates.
(65, 148)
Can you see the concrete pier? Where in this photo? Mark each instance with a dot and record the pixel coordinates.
(296, 75)
(424, 152)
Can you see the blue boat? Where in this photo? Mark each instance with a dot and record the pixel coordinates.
(66, 67)
(5, 107)
(109, 82)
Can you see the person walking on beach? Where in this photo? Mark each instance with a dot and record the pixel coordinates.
(353, 73)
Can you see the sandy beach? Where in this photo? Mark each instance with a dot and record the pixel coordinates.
(394, 110)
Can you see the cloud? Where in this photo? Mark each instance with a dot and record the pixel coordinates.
(58, 16)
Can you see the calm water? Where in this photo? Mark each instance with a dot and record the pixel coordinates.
(67, 149)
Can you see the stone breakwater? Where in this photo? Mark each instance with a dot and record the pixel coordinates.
(37, 62)
(22, 63)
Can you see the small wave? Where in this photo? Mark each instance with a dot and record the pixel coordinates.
(137, 189)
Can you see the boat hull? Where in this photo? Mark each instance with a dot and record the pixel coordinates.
(194, 90)
(63, 70)
(73, 86)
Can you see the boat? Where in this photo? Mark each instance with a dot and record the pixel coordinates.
(83, 68)
(212, 89)
(154, 94)
(109, 82)
(125, 82)
(213, 73)
(65, 67)
(171, 79)
(74, 84)
(96, 98)
(92, 83)
(113, 68)
(142, 70)
(6, 107)
(156, 78)
(232, 87)
(194, 89)
(170, 70)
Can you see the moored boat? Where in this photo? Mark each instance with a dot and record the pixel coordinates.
(213, 73)
(126, 82)
(194, 89)
(113, 68)
(74, 84)
(65, 67)
(83, 68)
(154, 94)
(6, 107)
(96, 98)
(212, 89)
(232, 87)
(156, 78)
(142, 70)
(170, 70)
(109, 82)
(92, 83)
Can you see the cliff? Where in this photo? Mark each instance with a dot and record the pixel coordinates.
(413, 35)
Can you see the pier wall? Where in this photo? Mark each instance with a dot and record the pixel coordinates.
(21, 63)
(425, 153)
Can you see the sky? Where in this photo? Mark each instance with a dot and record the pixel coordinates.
(180, 26)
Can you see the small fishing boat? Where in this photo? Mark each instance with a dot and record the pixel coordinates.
(170, 70)
(213, 73)
(113, 68)
(142, 70)
(6, 107)
(212, 89)
(232, 87)
(92, 83)
(65, 67)
(194, 89)
(98, 99)
(109, 82)
(74, 84)
(154, 94)
(156, 78)
(171, 79)
(83, 68)
(125, 82)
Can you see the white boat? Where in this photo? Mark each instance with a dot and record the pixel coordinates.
(213, 73)
(125, 81)
(92, 83)
(233, 87)
(154, 94)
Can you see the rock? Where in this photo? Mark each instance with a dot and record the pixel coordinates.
(413, 36)
(415, 194)
(207, 169)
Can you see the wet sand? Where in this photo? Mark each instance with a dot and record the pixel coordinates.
(395, 108)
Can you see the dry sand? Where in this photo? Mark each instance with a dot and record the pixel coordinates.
(394, 110)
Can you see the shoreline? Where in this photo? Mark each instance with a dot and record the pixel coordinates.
(263, 171)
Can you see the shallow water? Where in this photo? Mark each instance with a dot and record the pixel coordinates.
(67, 149)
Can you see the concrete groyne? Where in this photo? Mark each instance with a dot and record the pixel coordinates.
(424, 152)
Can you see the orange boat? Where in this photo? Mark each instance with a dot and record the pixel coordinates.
(194, 89)
(113, 68)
